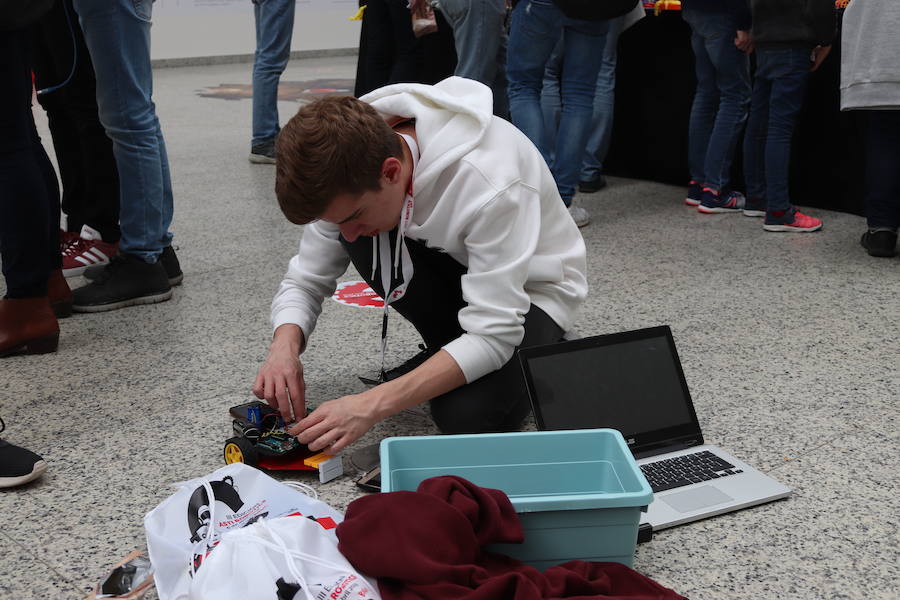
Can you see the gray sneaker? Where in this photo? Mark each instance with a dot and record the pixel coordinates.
(579, 214)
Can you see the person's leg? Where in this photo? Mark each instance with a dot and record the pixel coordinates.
(83, 150)
(789, 73)
(499, 400)
(495, 402)
(602, 118)
(479, 34)
(882, 182)
(732, 72)
(118, 36)
(407, 59)
(705, 103)
(755, 146)
(534, 29)
(274, 28)
(583, 43)
(29, 210)
(551, 103)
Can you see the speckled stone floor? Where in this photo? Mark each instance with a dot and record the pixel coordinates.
(789, 344)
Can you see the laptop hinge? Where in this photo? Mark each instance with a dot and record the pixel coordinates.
(668, 446)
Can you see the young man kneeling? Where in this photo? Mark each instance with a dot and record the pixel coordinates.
(451, 215)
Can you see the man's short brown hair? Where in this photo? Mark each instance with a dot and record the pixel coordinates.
(332, 146)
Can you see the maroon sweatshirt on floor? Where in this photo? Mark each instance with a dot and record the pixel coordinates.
(427, 545)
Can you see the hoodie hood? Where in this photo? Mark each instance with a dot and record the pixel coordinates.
(451, 119)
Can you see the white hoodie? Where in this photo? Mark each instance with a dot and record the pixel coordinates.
(484, 195)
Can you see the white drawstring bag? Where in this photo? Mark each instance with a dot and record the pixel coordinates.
(184, 530)
(289, 558)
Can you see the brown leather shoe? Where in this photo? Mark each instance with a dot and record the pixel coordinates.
(27, 325)
(60, 294)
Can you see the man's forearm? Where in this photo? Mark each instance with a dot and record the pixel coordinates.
(437, 375)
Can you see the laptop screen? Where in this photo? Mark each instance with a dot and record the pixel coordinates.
(628, 381)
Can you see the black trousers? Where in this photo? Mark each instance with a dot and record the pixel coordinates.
(499, 400)
(883, 168)
(87, 167)
(29, 193)
(390, 53)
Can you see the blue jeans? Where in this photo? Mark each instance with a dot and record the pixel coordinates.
(778, 94)
(479, 33)
(535, 27)
(720, 102)
(117, 33)
(274, 29)
(604, 102)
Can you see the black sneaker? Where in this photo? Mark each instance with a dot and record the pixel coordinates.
(127, 280)
(592, 185)
(169, 261)
(263, 154)
(880, 242)
(18, 465)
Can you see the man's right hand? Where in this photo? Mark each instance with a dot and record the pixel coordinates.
(282, 374)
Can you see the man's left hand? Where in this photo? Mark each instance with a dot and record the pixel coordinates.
(336, 424)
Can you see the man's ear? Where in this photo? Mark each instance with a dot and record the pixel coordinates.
(391, 168)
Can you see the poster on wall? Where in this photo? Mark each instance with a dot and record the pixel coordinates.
(195, 7)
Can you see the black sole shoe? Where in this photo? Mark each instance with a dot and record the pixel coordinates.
(882, 243)
(594, 185)
(169, 261)
(127, 281)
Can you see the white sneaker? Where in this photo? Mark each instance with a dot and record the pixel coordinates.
(579, 214)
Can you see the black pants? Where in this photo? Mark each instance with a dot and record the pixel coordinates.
(29, 193)
(883, 168)
(499, 400)
(390, 53)
(87, 167)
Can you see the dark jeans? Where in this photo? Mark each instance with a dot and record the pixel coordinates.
(720, 103)
(84, 154)
(499, 400)
(29, 193)
(883, 169)
(778, 94)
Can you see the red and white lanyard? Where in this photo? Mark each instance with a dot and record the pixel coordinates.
(401, 256)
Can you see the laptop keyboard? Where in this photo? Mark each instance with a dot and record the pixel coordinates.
(684, 470)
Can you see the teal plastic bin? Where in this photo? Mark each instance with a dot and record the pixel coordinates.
(579, 494)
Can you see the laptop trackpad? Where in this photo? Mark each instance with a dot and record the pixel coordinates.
(692, 500)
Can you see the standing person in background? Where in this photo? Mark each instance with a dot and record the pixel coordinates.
(791, 40)
(479, 34)
(870, 82)
(64, 76)
(274, 29)
(591, 179)
(29, 202)
(535, 28)
(117, 33)
(720, 37)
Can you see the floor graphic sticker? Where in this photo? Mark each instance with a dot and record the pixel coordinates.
(357, 293)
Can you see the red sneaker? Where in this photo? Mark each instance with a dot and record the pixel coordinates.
(800, 224)
(87, 250)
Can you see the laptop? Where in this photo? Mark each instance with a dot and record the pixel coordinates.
(633, 382)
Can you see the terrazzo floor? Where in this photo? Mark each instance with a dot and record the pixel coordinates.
(789, 345)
